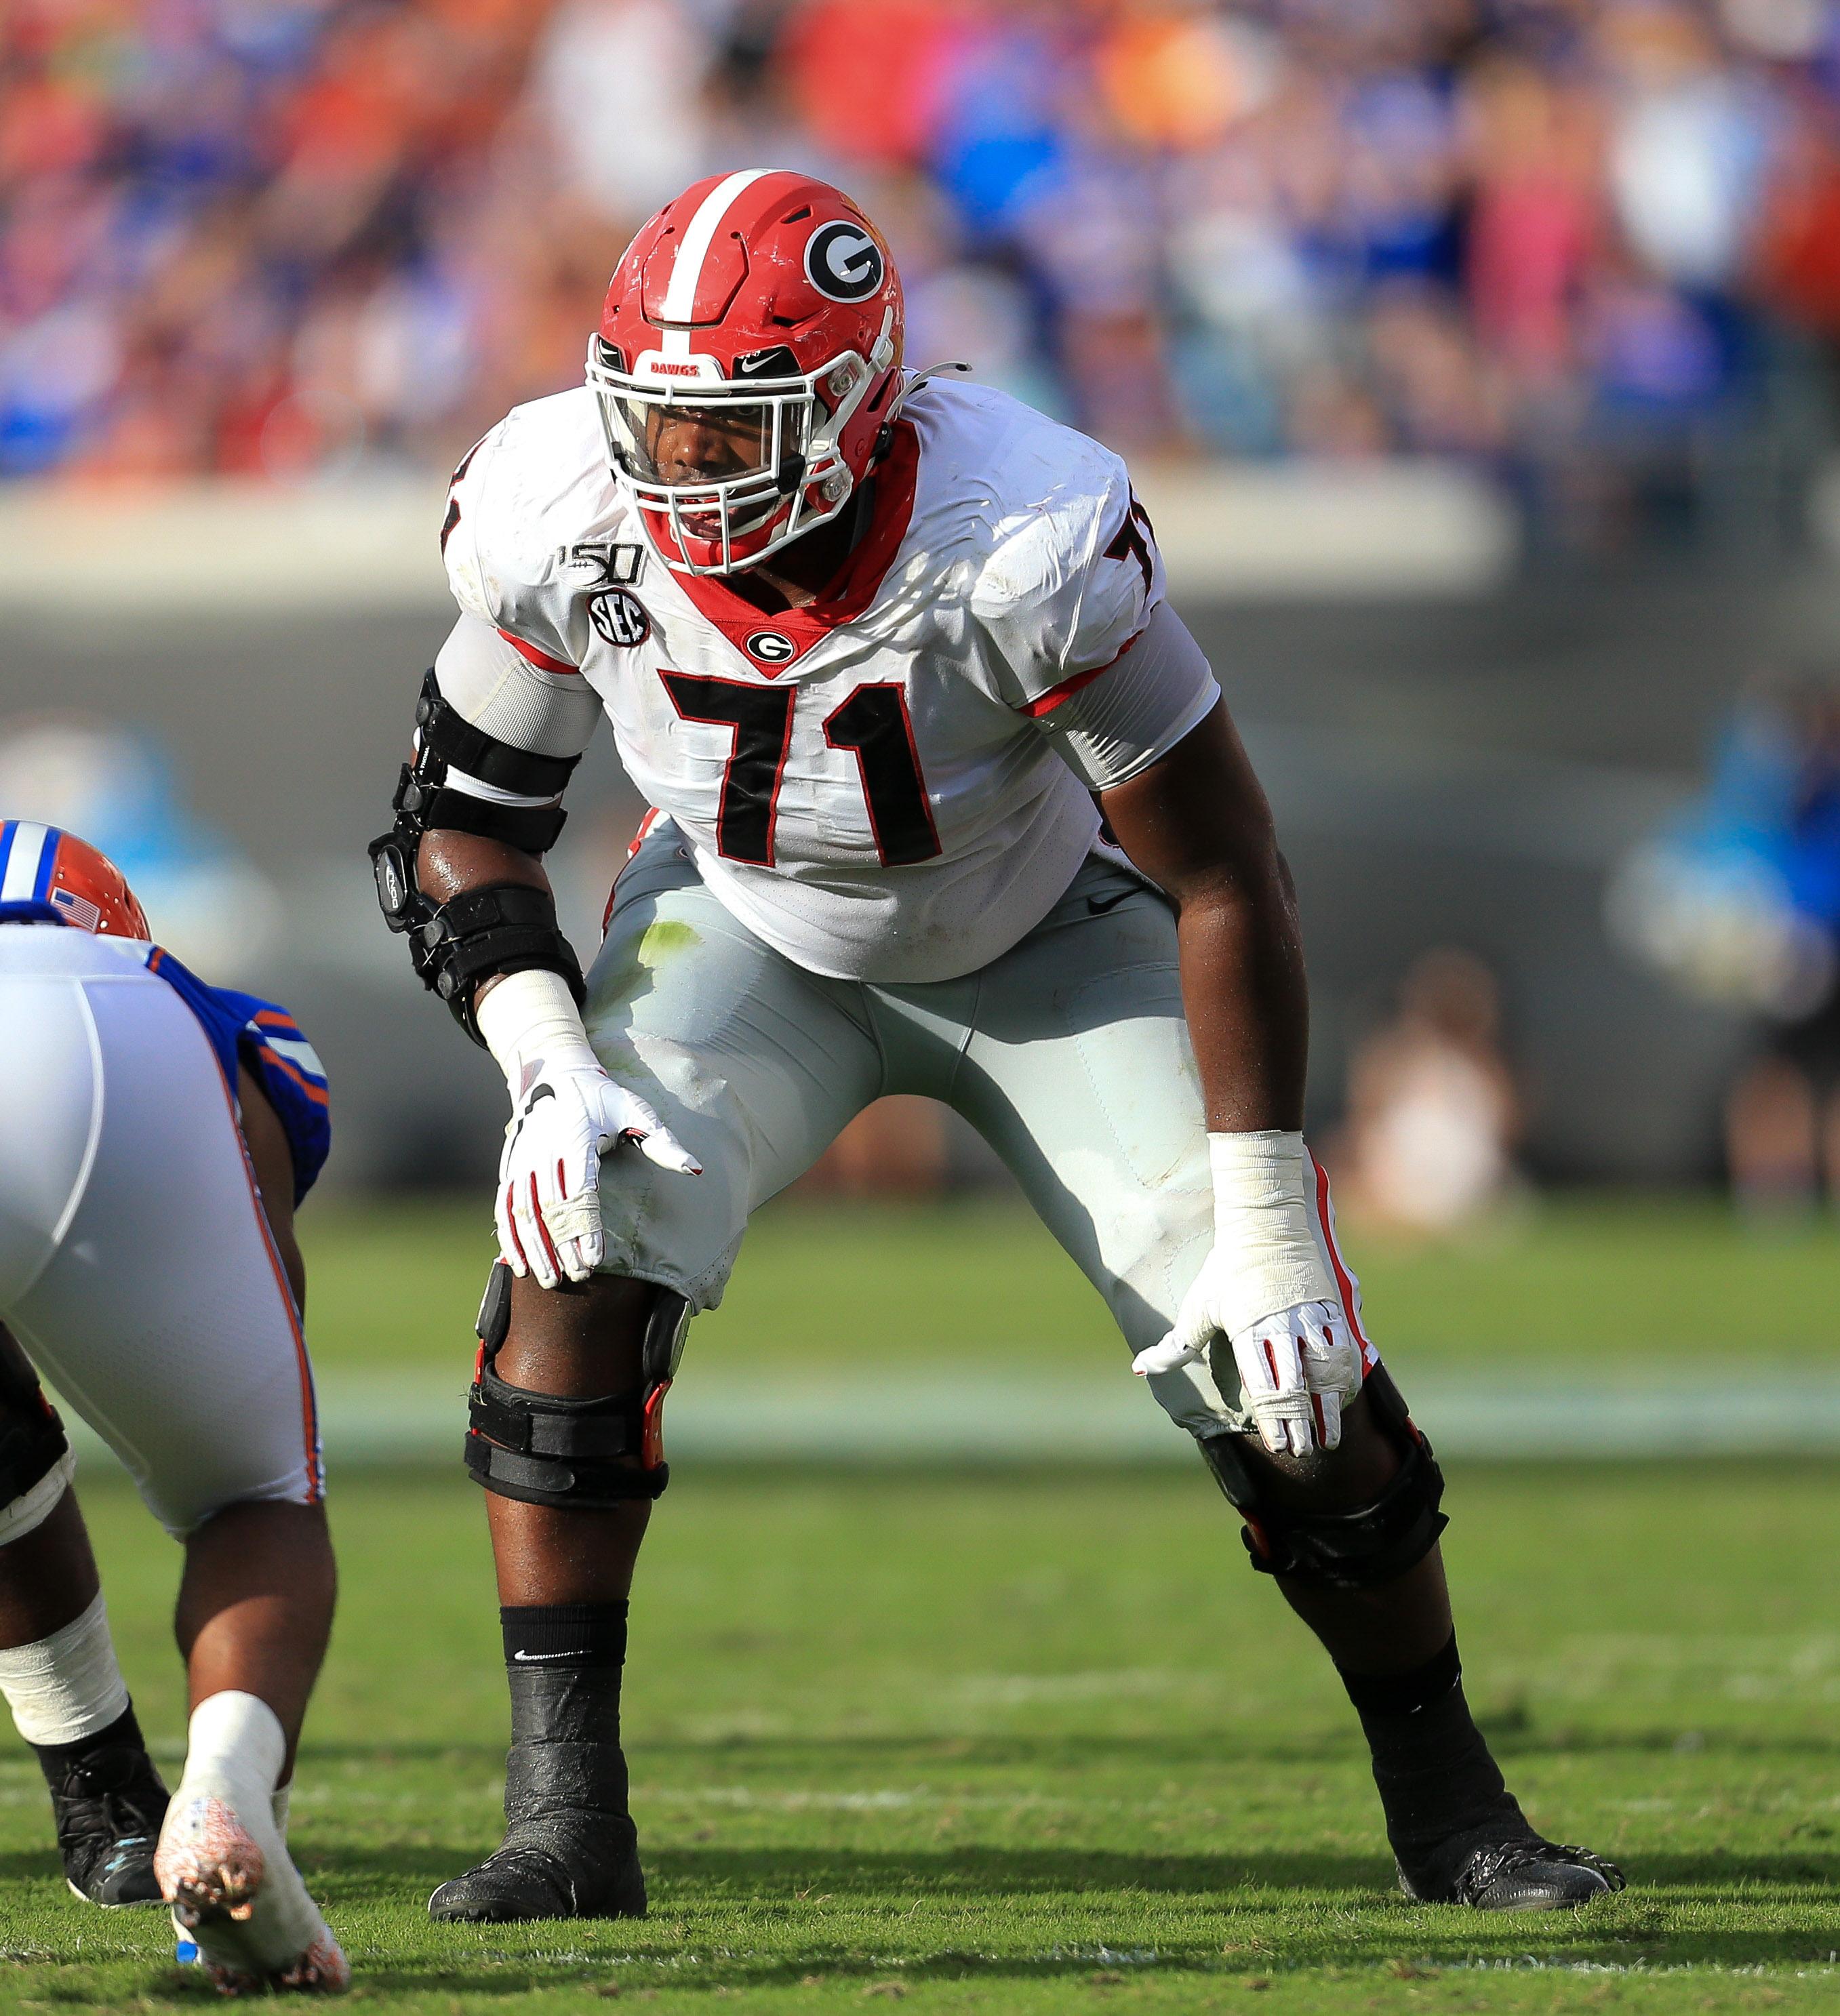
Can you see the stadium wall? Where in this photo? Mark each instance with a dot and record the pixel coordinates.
(1459, 749)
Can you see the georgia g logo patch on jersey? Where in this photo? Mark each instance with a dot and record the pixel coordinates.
(843, 262)
(620, 616)
(771, 647)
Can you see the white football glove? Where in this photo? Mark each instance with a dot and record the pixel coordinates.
(567, 1113)
(1296, 1368)
(1266, 1289)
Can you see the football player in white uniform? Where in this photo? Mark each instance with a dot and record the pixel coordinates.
(883, 651)
(155, 1134)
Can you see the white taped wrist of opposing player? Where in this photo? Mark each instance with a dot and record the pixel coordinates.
(530, 1019)
(1264, 1237)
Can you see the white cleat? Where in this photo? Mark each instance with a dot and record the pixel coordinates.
(223, 1866)
(243, 1903)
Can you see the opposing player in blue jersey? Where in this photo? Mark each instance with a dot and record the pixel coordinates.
(155, 1134)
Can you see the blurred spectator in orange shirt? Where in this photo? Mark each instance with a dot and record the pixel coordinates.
(1563, 237)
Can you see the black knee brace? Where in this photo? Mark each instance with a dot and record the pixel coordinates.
(1360, 1550)
(32, 1438)
(547, 1451)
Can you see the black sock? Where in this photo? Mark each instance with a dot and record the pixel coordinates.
(571, 1849)
(564, 1662)
(1440, 1788)
(56, 1758)
(581, 1635)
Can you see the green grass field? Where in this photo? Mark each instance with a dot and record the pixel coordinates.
(1584, 1282)
(1036, 1741)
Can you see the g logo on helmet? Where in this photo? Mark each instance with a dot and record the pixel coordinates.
(843, 262)
(620, 618)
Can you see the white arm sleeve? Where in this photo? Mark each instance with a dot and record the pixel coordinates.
(490, 683)
(1138, 708)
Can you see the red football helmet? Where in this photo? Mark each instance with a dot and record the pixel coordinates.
(748, 359)
(48, 876)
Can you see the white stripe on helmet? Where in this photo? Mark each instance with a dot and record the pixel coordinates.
(23, 860)
(693, 247)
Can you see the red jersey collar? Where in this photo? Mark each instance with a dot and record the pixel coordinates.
(850, 591)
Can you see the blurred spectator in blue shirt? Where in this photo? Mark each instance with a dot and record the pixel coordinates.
(1739, 902)
(1579, 240)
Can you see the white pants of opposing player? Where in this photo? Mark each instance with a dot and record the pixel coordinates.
(136, 1268)
(1070, 1054)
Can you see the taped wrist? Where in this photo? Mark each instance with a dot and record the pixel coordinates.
(1269, 1257)
(534, 1017)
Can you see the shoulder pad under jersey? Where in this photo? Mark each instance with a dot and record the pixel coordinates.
(1067, 569)
(522, 508)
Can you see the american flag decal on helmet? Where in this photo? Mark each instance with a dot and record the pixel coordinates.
(79, 909)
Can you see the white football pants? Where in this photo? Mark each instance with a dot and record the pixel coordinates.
(1070, 1055)
(136, 1268)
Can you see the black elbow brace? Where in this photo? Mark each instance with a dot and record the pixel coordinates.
(445, 741)
(507, 928)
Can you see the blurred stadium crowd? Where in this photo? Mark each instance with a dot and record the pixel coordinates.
(1593, 244)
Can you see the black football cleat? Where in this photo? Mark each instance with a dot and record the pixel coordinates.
(562, 1866)
(1525, 1875)
(108, 1805)
(562, 1857)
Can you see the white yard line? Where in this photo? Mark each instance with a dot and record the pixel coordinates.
(996, 1419)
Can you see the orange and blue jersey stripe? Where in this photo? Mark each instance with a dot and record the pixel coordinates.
(265, 1039)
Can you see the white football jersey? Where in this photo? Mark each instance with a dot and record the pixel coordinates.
(872, 785)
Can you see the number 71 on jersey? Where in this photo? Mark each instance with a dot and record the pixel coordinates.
(873, 724)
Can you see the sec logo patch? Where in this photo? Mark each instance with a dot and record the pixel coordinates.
(770, 647)
(620, 616)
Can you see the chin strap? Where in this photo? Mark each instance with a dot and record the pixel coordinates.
(903, 392)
